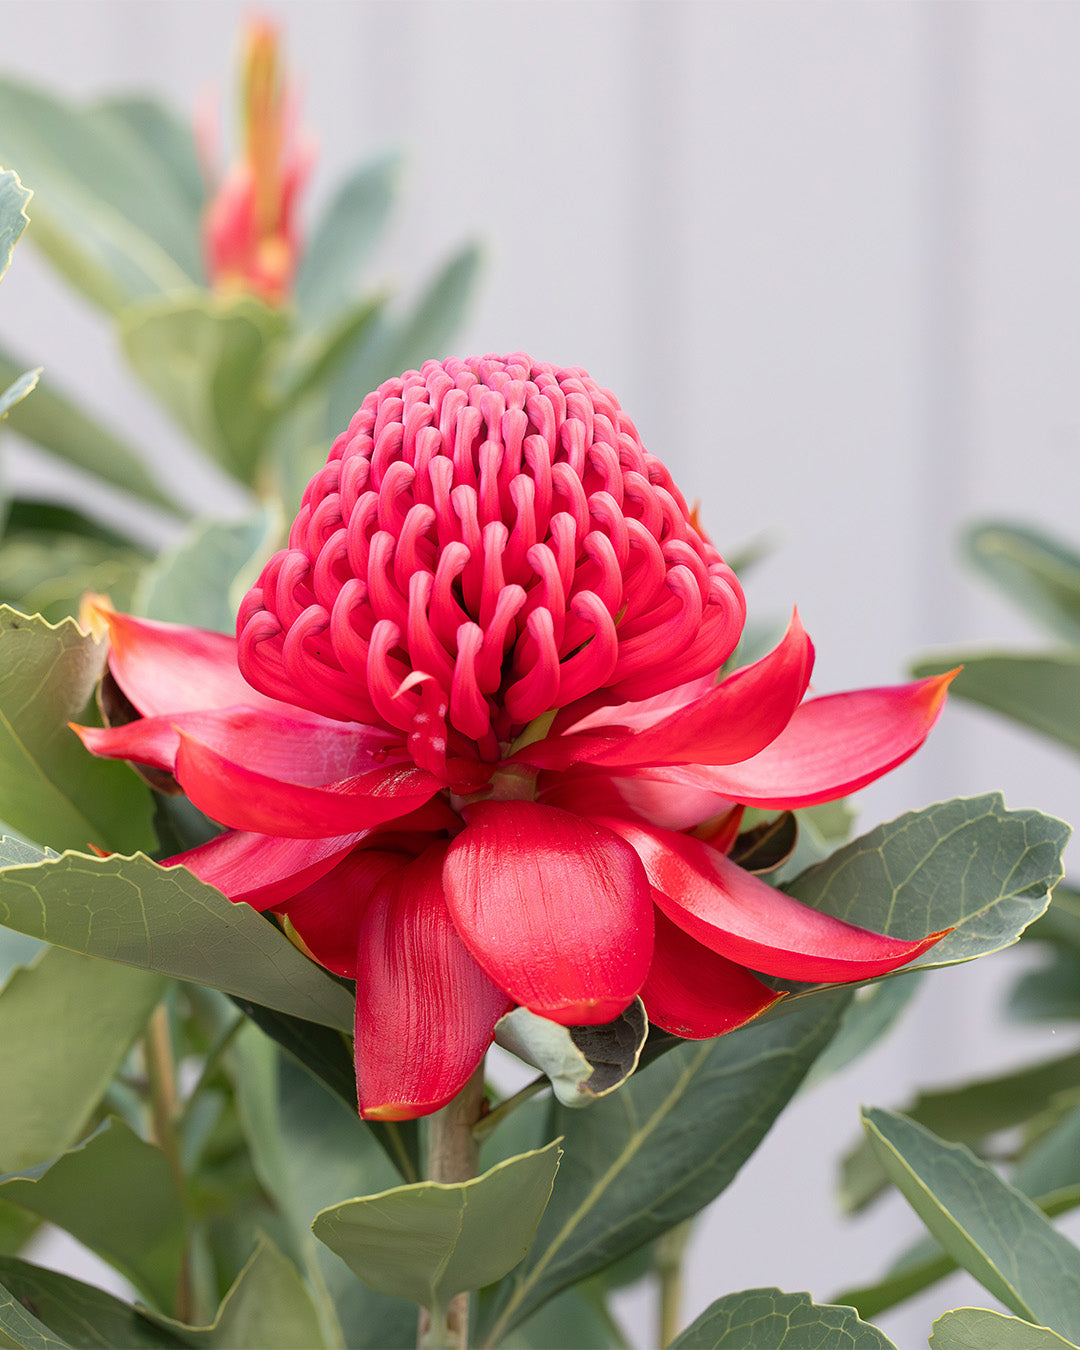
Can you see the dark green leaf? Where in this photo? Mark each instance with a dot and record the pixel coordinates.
(583, 1063)
(1038, 572)
(967, 1114)
(210, 359)
(51, 789)
(115, 1195)
(343, 239)
(428, 1242)
(21, 1330)
(56, 424)
(1049, 993)
(133, 911)
(577, 1317)
(1041, 691)
(756, 1318)
(967, 864)
(871, 1015)
(86, 1318)
(989, 1227)
(981, 1329)
(659, 1150)
(67, 1023)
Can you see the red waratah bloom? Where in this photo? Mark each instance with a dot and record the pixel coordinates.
(250, 233)
(470, 745)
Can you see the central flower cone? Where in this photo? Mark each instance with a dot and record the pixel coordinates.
(471, 746)
(489, 541)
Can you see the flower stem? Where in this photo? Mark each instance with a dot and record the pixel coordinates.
(668, 1264)
(165, 1110)
(453, 1154)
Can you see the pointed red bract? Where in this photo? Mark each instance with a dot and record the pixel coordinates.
(693, 992)
(556, 909)
(425, 1011)
(752, 923)
(832, 746)
(245, 800)
(261, 870)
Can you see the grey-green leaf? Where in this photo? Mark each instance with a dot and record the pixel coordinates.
(13, 217)
(51, 789)
(428, 1242)
(997, 1234)
(968, 864)
(67, 1023)
(18, 390)
(1037, 571)
(654, 1153)
(583, 1063)
(756, 1318)
(21, 1330)
(342, 240)
(86, 1317)
(982, 1329)
(164, 919)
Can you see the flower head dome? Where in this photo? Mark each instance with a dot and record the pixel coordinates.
(489, 541)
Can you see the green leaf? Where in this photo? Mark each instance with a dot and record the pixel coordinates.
(577, 1317)
(1041, 691)
(988, 1226)
(21, 1330)
(967, 1114)
(756, 1318)
(86, 1318)
(343, 238)
(967, 864)
(67, 1023)
(47, 573)
(873, 1012)
(210, 360)
(201, 579)
(107, 211)
(13, 217)
(18, 390)
(981, 1329)
(268, 1306)
(51, 789)
(114, 1194)
(170, 143)
(428, 1242)
(164, 919)
(400, 345)
(1038, 572)
(659, 1150)
(56, 424)
(583, 1063)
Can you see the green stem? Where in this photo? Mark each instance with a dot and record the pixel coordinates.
(453, 1155)
(668, 1264)
(165, 1112)
(487, 1123)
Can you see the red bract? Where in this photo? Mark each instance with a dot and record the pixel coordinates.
(470, 743)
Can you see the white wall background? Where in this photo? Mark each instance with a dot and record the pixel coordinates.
(826, 253)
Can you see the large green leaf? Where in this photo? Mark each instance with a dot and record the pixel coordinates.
(87, 1318)
(1037, 571)
(428, 1242)
(967, 864)
(21, 1330)
(58, 425)
(1039, 691)
(114, 1194)
(170, 143)
(50, 788)
(107, 213)
(982, 1329)
(967, 1114)
(997, 1234)
(67, 1023)
(210, 359)
(343, 238)
(268, 1306)
(201, 579)
(164, 919)
(13, 217)
(756, 1318)
(660, 1149)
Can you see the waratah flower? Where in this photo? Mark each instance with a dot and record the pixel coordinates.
(250, 232)
(470, 744)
